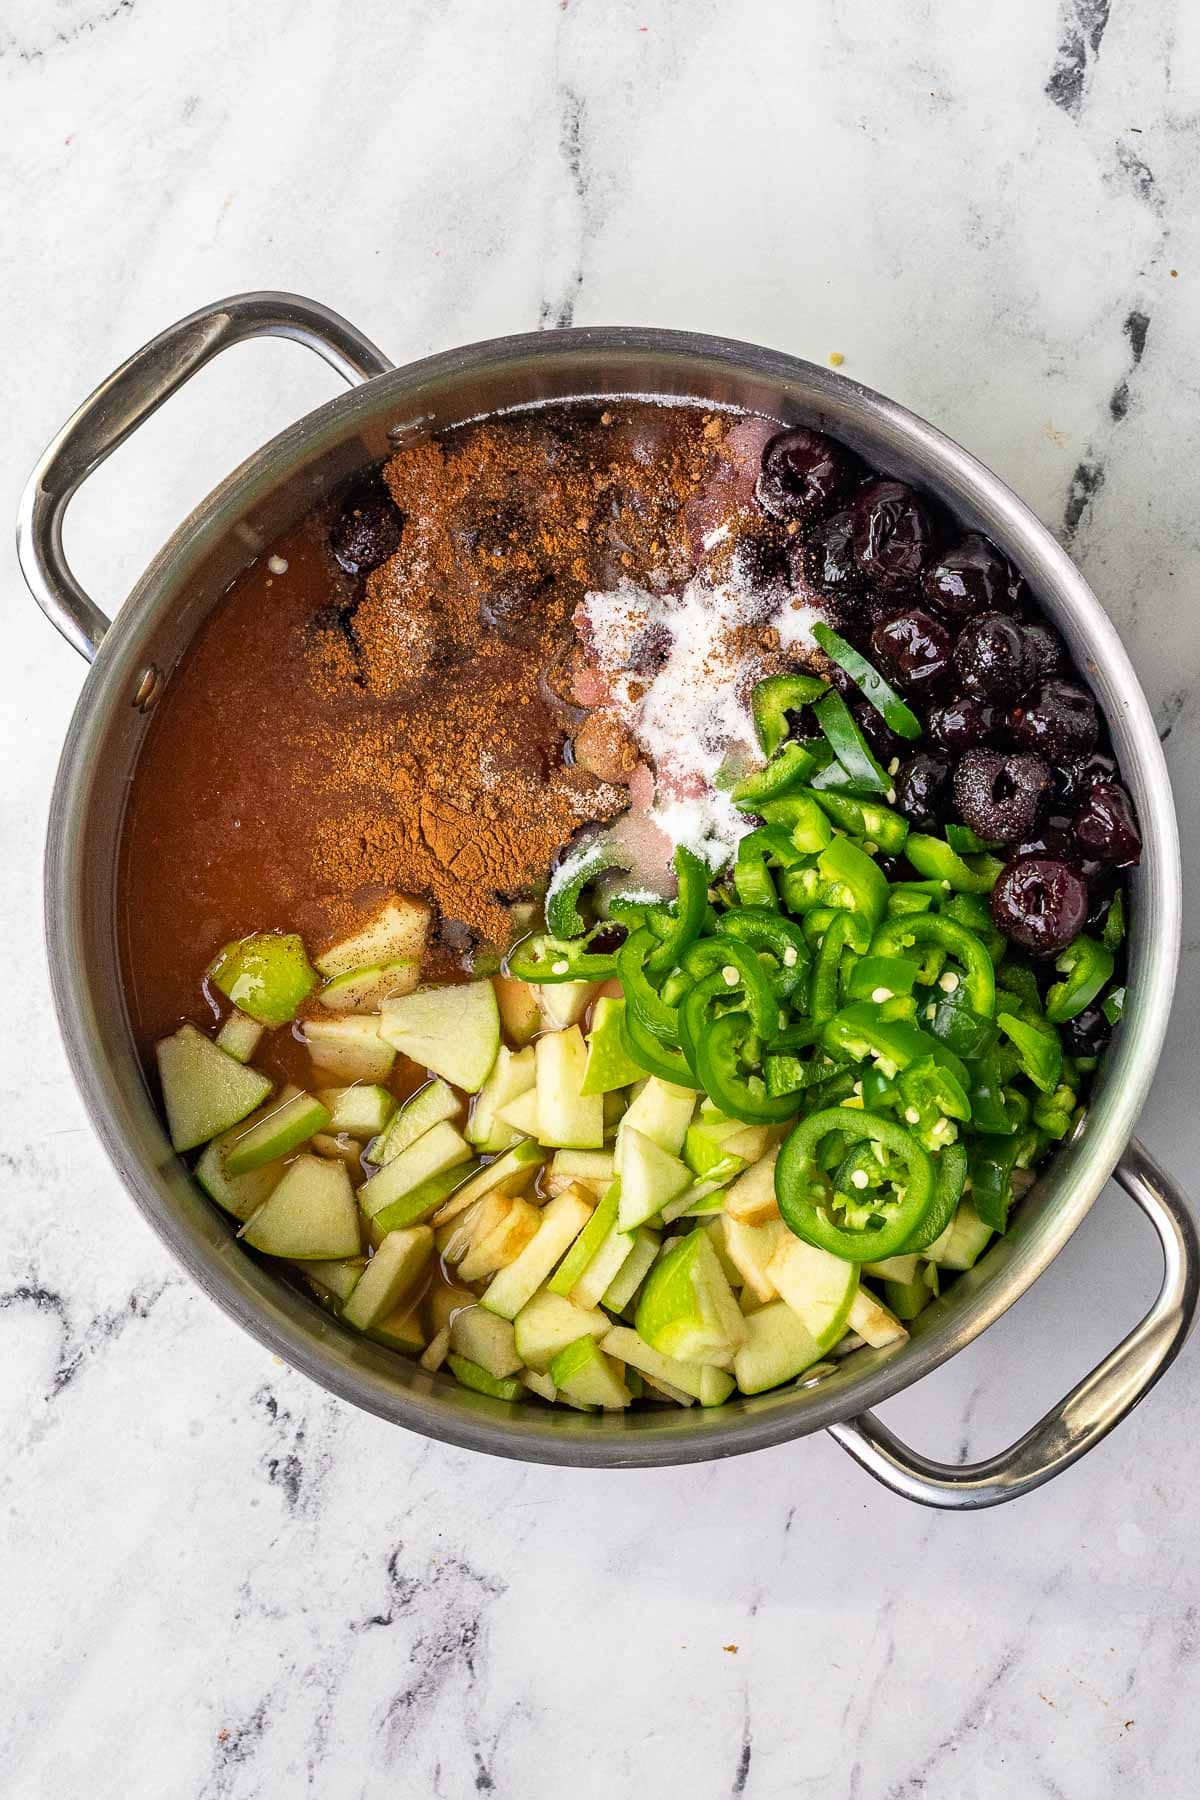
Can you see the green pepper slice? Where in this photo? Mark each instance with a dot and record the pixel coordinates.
(860, 1030)
(772, 701)
(643, 1048)
(992, 1161)
(1087, 964)
(739, 1091)
(563, 918)
(687, 916)
(790, 765)
(1055, 1113)
(913, 896)
(849, 745)
(801, 817)
(807, 1200)
(845, 931)
(898, 716)
(1113, 1005)
(642, 998)
(763, 929)
(865, 819)
(1113, 934)
(880, 978)
(930, 1097)
(1038, 1048)
(950, 1180)
(550, 959)
(963, 841)
(991, 1108)
(850, 880)
(933, 857)
(979, 976)
(723, 957)
(957, 1025)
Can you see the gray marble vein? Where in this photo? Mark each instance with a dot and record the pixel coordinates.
(219, 1582)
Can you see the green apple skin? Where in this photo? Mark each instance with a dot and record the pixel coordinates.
(267, 975)
(608, 1067)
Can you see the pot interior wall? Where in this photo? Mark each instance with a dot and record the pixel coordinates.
(272, 491)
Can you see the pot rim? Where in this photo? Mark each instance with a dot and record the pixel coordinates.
(362, 1372)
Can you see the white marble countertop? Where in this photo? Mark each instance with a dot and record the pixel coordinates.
(219, 1581)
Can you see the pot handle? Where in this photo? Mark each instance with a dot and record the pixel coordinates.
(129, 396)
(1102, 1399)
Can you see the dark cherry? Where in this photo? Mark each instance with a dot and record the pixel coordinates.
(972, 577)
(999, 794)
(962, 723)
(1087, 1034)
(1103, 880)
(922, 786)
(1050, 839)
(1045, 653)
(915, 648)
(895, 868)
(1105, 825)
(893, 533)
(366, 531)
(803, 474)
(1059, 719)
(878, 733)
(1020, 602)
(990, 658)
(1040, 902)
(1074, 781)
(824, 558)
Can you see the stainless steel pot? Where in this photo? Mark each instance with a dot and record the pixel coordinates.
(133, 658)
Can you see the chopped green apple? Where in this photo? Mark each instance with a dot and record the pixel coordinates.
(820, 1288)
(204, 1089)
(633, 1271)
(563, 1218)
(541, 1385)
(603, 1268)
(585, 1373)
(520, 1115)
(548, 1323)
(750, 1249)
(907, 1299)
(716, 1385)
(591, 1168)
(512, 1172)
(873, 1322)
(687, 1308)
(437, 1150)
(567, 1118)
(349, 1047)
(468, 1374)
(608, 1064)
(365, 990)
(963, 1241)
(777, 1347)
(504, 1242)
(662, 1112)
(700, 1200)
(267, 975)
(513, 1074)
(362, 1110)
(586, 1244)
(391, 1277)
(420, 1113)
(342, 1148)
(628, 1347)
(487, 1340)
(752, 1196)
(309, 1214)
(240, 1195)
(397, 933)
(240, 1036)
(283, 1128)
(520, 1014)
(420, 1203)
(650, 1178)
(716, 1145)
(563, 1003)
(892, 1268)
(453, 1031)
(337, 1278)
(403, 1329)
